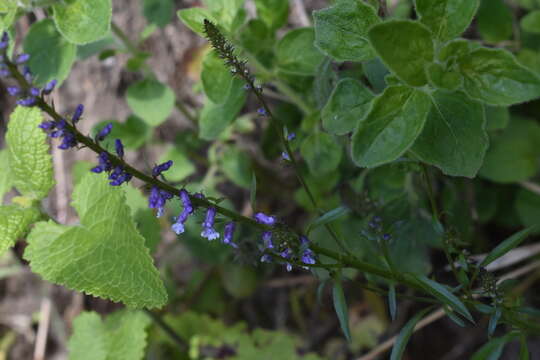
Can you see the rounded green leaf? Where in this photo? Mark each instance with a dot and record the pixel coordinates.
(497, 117)
(513, 154)
(236, 165)
(151, 100)
(495, 21)
(348, 104)
(85, 257)
(341, 30)
(51, 55)
(194, 17)
(83, 21)
(321, 152)
(29, 159)
(494, 76)
(216, 78)
(158, 12)
(527, 206)
(454, 137)
(394, 122)
(531, 22)
(406, 47)
(442, 78)
(296, 53)
(446, 18)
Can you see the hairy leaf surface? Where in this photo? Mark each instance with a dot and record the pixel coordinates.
(446, 18)
(83, 21)
(14, 222)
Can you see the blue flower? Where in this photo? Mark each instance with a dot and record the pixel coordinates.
(77, 114)
(265, 219)
(157, 199)
(308, 257)
(291, 136)
(102, 134)
(158, 169)
(13, 90)
(104, 163)
(208, 225)
(68, 141)
(262, 112)
(49, 87)
(119, 176)
(387, 237)
(4, 42)
(228, 234)
(27, 74)
(119, 147)
(285, 156)
(178, 226)
(287, 255)
(267, 240)
(34, 91)
(28, 101)
(266, 258)
(22, 58)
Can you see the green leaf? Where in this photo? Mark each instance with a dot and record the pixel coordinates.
(236, 165)
(321, 152)
(441, 293)
(392, 303)
(239, 281)
(494, 21)
(492, 350)
(348, 104)
(527, 206)
(531, 22)
(454, 137)
(121, 336)
(226, 11)
(85, 257)
(497, 117)
(391, 127)
(493, 320)
(151, 100)
(405, 334)
(341, 30)
(454, 49)
(446, 18)
(14, 223)
(134, 132)
(51, 56)
(29, 159)
(495, 77)
(158, 12)
(215, 118)
(442, 78)
(524, 348)
(216, 78)
(328, 217)
(83, 21)
(513, 153)
(296, 54)
(406, 47)
(182, 166)
(274, 13)
(6, 179)
(508, 244)
(194, 17)
(340, 306)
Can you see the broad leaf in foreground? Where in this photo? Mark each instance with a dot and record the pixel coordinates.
(121, 336)
(391, 127)
(446, 18)
(83, 21)
(86, 257)
(454, 137)
(30, 163)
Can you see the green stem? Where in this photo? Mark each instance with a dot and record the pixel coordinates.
(130, 46)
(167, 329)
(183, 109)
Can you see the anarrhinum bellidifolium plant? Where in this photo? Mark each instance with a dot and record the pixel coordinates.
(398, 96)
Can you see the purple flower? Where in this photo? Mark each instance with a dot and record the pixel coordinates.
(158, 169)
(267, 240)
(4, 72)
(68, 141)
(28, 101)
(286, 254)
(49, 87)
(266, 258)
(119, 147)
(4, 42)
(119, 176)
(34, 91)
(308, 257)
(77, 114)
(27, 74)
(208, 225)
(47, 125)
(285, 156)
(157, 199)
(13, 90)
(102, 134)
(178, 226)
(387, 237)
(22, 58)
(228, 234)
(265, 219)
(291, 136)
(262, 112)
(104, 163)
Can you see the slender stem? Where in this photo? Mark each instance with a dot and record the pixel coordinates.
(183, 109)
(130, 46)
(167, 329)
(427, 179)
(383, 8)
